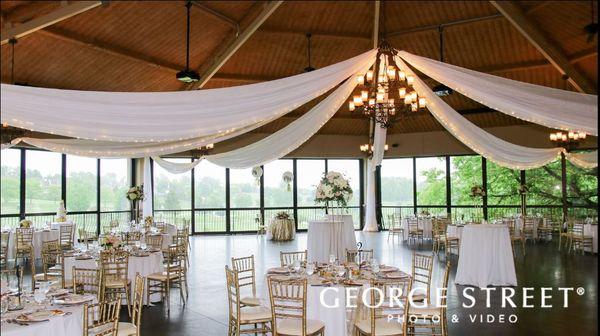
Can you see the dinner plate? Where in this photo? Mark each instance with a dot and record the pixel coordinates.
(74, 299)
(40, 316)
(385, 269)
(396, 275)
(57, 292)
(279, 270)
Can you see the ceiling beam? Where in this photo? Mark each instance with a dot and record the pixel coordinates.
(64, 12)
(376, 24)
(549, 49)
(219, 15)
(222, 57)
(322, 33)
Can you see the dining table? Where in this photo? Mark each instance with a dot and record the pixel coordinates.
(39, 236)
(330, 236)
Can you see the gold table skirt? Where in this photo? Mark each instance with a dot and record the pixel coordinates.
(281, 229)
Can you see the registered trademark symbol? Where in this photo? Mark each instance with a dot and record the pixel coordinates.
(580, 291)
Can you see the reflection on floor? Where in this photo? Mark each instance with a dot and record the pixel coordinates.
(206, 310)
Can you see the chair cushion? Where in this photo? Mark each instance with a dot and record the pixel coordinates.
(425, 311)
(127, 328)
(293, 327)
(161, 276)
(254, 315)
(383, 327)
(250, 301)
(115, 283)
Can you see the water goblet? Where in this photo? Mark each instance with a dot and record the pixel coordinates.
(341, 270)
(310, 269)
(296, 266)
(332, 258)
(143, 246)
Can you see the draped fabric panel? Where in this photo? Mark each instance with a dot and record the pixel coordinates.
(167, 116)
(147, 206)
(378, 146)
(370, 206)
(584, 160)
(485, 144)
(175, 168)
(542, 105)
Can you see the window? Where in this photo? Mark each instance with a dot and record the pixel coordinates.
(42, 181)
(10, 181)
(309, 174)
(545, 186)
(397, 182)
(277, 192)
(82, 173)
(172, 191)
(351, 170)
(503, 185)
(245, 189)
(465, 173)
(431, 181)
(582, 186)
(209, 180)
(114, 183)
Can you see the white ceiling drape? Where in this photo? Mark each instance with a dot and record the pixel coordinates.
(485, 144)
(167, 116)
(584, 159)
(542, 105)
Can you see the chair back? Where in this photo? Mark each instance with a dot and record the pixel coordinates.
(233, 295)
(359, 256)
(154, 241)
(138, 302)
(413, 224)
(16, 272)
(288, 300)
(114, 265)
(393, 294)
(66, 234)
(86, 281)
(288, 258)
(528, 224)
(174, 262)
(578, 229)
(422, 267)
(131, 237)
(24, 237)
(53, 261)
(511, 224)
(100, 319)
(245, 272)
(161, 226)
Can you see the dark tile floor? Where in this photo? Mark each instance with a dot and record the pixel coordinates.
(206, 312)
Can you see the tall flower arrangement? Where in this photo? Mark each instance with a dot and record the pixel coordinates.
(135, 195)
(333, 187)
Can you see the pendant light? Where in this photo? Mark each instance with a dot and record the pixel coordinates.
(187, 75)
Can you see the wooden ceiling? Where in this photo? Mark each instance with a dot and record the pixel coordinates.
(140, 46)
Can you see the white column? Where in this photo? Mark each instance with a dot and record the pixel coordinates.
(147, 204)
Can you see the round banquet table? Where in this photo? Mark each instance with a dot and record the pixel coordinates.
(486, 257)
(66, 325)
(142, 265)
(327, 237)
(426, 224)
(281, 229)
(39, 236)
(334, 318)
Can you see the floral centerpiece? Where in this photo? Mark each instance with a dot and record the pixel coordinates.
(25, 224)
(282, 215)
(135, 195)
(110, 241)
(148, 220)
(333, 187)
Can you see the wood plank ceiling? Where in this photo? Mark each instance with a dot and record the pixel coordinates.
(140, 45)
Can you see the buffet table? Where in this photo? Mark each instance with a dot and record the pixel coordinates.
(486, 257)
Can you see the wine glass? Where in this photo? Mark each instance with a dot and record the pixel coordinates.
(341, 270)
(143, 246)
(296, 266)
(375, 267)
(332, 258)
(310, 269)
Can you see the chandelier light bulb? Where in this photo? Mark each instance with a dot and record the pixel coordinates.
(360, 79)
(582, 135)
(571, 134)
(371, 102)
(414, 107)
(564, 137)
(380, 97)
(210, 146)
(576, 136)
(553, 137)
(413, 96)
(391, 72)
(410, 80)
(391, 102)
(357, 101)
(385, 147)
(402, 92)
(351, 106)
(407, 100)
(559, 135)
(369, 75)
(364, 95)
(422, 102)
(402, 75)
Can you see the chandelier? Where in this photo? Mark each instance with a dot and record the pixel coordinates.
(389, 94)
(567, 137)
(369, 149)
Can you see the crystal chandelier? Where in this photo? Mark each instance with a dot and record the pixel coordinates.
(388, 95)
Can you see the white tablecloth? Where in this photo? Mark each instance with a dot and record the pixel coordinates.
(536, 223)
(67, 325)
(454, 231)
(39, 237)
(281, 229)
(592, 230)
(330, 237)
(335, 319)
(485, 257)
(424, 223)
(143, 265)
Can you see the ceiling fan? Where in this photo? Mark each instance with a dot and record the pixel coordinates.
(309, 68)
(187, 75)
(592, 28)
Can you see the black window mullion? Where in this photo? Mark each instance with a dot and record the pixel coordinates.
(22, 177)
(193, 201)
(227, 202)
(484, 186)
(414, 185)
(98, 181)
(295, 191)
(448, 187)
(63, 179)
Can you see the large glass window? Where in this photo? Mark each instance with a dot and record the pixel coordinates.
(309, 174)
(172, 191)
(278, 193)
(503, 185)
(582, 186)
(545, 185)
(397, 182)
(10, 178)
(43, 181)
(245, 189)
(115, 180)
(350, 169)
(431, 181)
(465, 173)
(209, 180)
(82, 173)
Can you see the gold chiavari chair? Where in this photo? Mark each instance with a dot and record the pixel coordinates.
(261, 227)
(439, 234)
(66, 236)
(288, 258)
(114, 281)
(580, 241)
(86, 281)
(131, 237)
(288, 308)
(565, 235)
(154, 241)
(246, 277)
(414, 232)
(114, 224)
(24, 245)
(528, 228)
(172, 277)
(389, 318)
(4, 239)
(395, 228)
(359, 256)
(182, 255)
(451, 244)
(516, 235)
(545, 229)
(161, 226)
(52, 263)
(432, 318)
(133, 328)
(182, 239)
(87, 236)
(101, 319)
(422, 268)
(242, 316)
